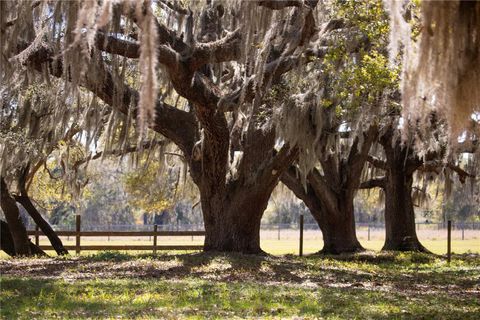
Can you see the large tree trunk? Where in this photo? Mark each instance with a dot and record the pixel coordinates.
(234, 225)
(12, 214)
(337, 225)
(232, 213)
(339, 233)
(57, 244)
(329, 194)
(6, 242)
(399, 211)
(235, 193)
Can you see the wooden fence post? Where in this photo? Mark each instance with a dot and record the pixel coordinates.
(301, 236)
(155, 228)
(449, 241)
(463, 230)
(78, 222)
(368, 232)
(37, 236)
(279, 227)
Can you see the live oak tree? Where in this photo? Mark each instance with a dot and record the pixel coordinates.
(440, 55)
(32, 127)
(329, 188)
(32, 130)
(329, 194)
(402, 167)
(218, 60)
(353, 97)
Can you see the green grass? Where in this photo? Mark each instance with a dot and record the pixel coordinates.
(197, 286)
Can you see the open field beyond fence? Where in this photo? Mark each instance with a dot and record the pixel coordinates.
(276, 240)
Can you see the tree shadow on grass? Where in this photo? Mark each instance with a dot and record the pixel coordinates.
(133, 298)
(400, 271)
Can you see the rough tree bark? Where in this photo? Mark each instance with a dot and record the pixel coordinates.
(7, 245)
(234, 224)
(339, 233)
(400, 165)
(6, 240)
(233, 202)
(232, 219)
(26, 202)
(330, 195)
(336, 222)
(12, 214)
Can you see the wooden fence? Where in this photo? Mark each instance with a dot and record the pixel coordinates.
(78, 234)
(155, 234)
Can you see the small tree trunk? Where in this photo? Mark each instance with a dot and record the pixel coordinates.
(6, 242)
(27, 204)
(57, 244)
(399, 212)
(12, 214)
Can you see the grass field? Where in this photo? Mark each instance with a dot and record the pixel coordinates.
(112, 285)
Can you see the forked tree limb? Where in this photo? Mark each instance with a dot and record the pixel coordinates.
(377, 162)
(373, 183)
(175, 124)
(438, 166)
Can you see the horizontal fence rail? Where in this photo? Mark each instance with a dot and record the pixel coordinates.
(121, 233)
(125, 247)
(78, 234)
